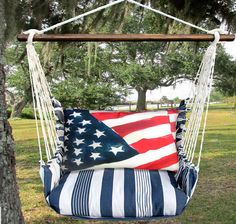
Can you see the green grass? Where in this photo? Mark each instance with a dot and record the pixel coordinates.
(214, 200)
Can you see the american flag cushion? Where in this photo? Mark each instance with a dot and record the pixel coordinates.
(144, 140)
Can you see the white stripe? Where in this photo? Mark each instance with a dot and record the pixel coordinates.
(173, 134)
(66, 194)
(141, 159)
(118, 194)
(173, 167)
(143, 193)
(173, 117)
(133, 118)
(55, 170)
(147, 133)
(168, 194)
(95, 194)
(41, 173)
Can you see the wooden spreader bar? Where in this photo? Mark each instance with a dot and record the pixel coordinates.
(125, 37)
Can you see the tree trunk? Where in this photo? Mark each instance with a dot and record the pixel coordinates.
(17, 108)
(141, 104)
(9, 196)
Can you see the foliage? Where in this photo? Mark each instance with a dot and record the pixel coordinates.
(82, 80)
(209, 13)
(17, 71)
(27, 113)
(216, 96)
(225, 74)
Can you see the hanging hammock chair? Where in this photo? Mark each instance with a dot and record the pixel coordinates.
(119, 165)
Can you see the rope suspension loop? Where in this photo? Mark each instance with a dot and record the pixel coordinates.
(169, 16)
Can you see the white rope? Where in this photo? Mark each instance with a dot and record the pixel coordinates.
(169, 16)
(78, 17)
(35, 90)
(201, 96)
(206, 114)
(42, 100)
(36, 122)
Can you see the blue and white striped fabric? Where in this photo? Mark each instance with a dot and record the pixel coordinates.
(116, 193)
(187, 174)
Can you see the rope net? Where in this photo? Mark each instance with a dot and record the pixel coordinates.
(42, 103)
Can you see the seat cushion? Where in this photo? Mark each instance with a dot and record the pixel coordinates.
(118, 193)
(98, 140)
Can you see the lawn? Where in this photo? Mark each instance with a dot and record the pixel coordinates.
(214, 200)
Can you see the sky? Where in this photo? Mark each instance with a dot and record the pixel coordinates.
(181, 90)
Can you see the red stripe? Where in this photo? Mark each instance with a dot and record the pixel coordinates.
(172, 111)
(161, 163)
(145, 145)
(126, 129)
(101, 116)
(173, 126)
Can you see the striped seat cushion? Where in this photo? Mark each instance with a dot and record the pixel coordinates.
(97, 140)
(117, 193)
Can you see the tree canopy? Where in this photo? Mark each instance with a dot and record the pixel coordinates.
(97, 76)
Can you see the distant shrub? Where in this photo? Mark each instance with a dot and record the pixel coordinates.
(27, 113)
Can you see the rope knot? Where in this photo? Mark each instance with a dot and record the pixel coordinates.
(31, 34)
(217, 32)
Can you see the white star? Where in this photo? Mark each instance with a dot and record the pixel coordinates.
(76, 114)
(65, 158)
(99, 133)
(81, 130)
(78, 141)
(78, 161)
(95, 155)
(66, 137)
(67, 129)
(84, 122)
(69, 121)
(77, 152)
(65, 149)
(115, 150)
(95, 144)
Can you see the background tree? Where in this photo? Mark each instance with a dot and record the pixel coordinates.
(84, 80)
(225, 75)
(216, 96)
(18, 84)
(9, 196)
